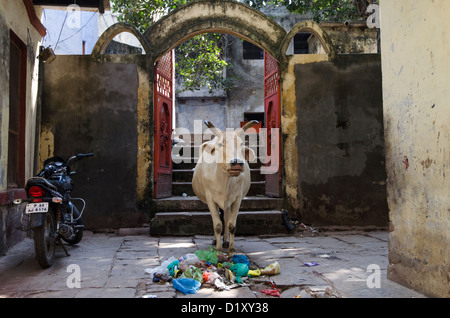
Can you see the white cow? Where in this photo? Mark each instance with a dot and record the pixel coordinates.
(222, 178)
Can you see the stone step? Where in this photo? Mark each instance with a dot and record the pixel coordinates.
(180, 188)
(192, 203)
(200, 223)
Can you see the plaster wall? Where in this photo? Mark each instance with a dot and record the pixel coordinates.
(415, 46)
(93, 107)
(14, 16)
(334, 145)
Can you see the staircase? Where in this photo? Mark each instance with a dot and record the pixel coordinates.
(184, 214)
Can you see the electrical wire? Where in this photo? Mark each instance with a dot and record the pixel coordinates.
(62, 28)
(79, 30)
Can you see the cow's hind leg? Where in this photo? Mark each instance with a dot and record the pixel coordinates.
(217, 224)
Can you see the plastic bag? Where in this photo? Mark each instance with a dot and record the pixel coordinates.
(254, 273)
(272, 269)
(210, 277)
(173, 268)
(226, 265)
(222, 257)
(220, 285)
(183, 266)
(271, 292)
(241, 270)
(186, 285)
(193, 272)
(208, 256)
(190, 259)
(240, 259)
(162, 269)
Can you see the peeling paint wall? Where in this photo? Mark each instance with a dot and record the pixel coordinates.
(339, 145)
(415, 43)
(94, 107)
(14, 17)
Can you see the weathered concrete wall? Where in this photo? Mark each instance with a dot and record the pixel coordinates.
(340, 145)
(416, 71)
(92, 107)
(352, 38)
(14, 17)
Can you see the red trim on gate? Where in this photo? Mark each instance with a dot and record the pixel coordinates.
(163, 94)
(272, 102)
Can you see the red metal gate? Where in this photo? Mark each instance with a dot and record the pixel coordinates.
(163, 94)
(272, 121)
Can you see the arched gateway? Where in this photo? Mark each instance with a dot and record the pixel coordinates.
(203, 16)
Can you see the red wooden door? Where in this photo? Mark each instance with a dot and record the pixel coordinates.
(163, 94)
(273, 125)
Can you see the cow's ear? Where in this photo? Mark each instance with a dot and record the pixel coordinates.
(209, 148)
(249, 154)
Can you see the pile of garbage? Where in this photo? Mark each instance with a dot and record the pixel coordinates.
(208, 267)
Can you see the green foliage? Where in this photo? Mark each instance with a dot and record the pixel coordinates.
(321, 10)
(200, 61)
(143, 13)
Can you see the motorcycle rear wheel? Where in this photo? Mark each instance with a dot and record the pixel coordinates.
(45, 241)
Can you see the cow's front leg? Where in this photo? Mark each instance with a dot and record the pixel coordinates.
(217, 223)
(231, 225)
(226, 217)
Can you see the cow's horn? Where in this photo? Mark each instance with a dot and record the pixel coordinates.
(248, 125)
(214, 130)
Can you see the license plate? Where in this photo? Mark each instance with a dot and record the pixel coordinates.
(41, 207)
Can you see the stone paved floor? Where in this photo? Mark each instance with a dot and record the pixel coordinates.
(111, 266)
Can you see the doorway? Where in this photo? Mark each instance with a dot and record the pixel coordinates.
(224, 110)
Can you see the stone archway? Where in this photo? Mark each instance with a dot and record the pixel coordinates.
(205, 16)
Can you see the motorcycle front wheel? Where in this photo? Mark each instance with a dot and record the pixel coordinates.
(45, 241)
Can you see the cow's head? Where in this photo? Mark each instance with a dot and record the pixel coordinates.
(228, 149)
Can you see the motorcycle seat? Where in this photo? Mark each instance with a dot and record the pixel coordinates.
(41, 182)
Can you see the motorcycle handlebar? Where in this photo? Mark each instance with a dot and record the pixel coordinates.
(81, 156)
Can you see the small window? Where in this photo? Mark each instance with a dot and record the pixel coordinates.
(251, 51)
(301, 45)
